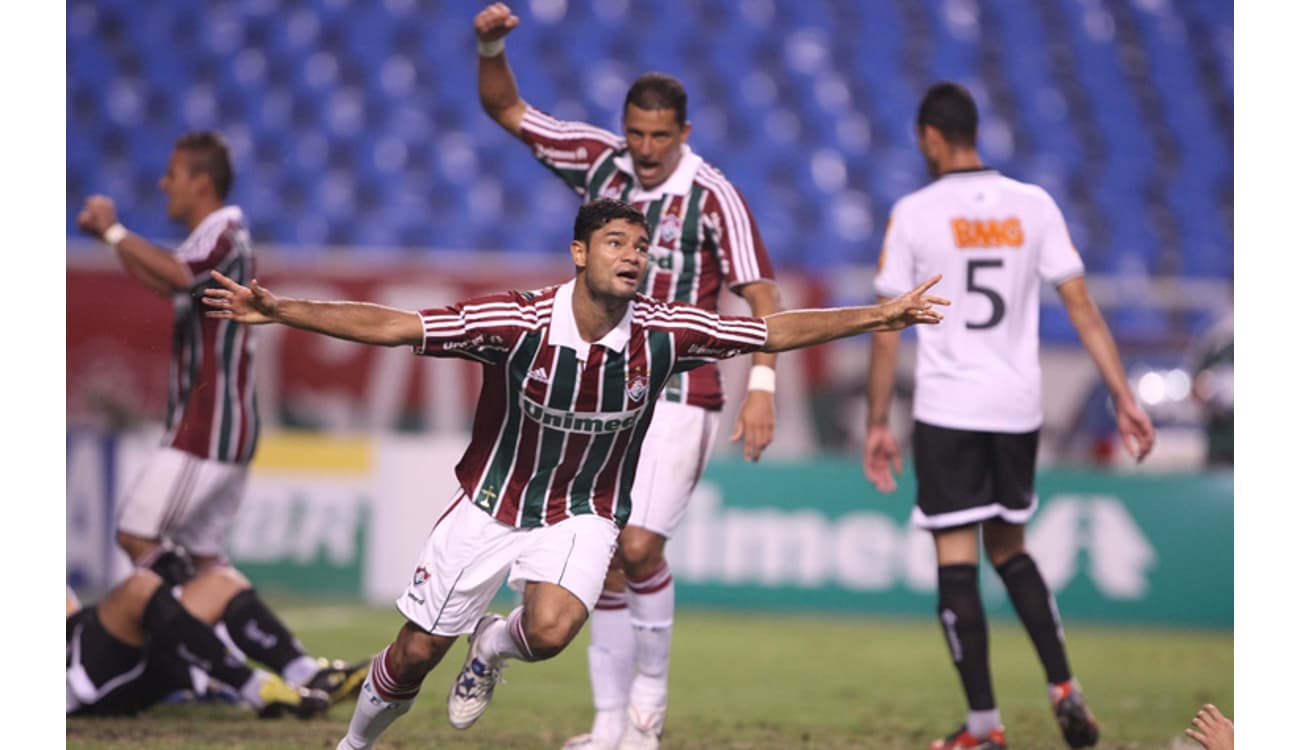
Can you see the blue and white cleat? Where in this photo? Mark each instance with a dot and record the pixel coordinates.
(472, 691)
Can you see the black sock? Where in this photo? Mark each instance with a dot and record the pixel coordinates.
(259, 633)
(171, 564)
(1037, 609)
(169, 623)
(966, 632)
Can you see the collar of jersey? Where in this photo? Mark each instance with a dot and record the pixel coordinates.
(678, 183)
(564, 328)
(968, 171)
(213, 222)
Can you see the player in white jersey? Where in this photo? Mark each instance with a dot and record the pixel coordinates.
(703, 240)
(978, 396)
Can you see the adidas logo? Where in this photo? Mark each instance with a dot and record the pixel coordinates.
(539, 374)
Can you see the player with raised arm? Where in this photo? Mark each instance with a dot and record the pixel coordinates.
(571, 378)
(978, 397)
(175, 517)
(703, 239)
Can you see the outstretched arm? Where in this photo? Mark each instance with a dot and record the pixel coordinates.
(497, 90)
(149, 264)
(795, 329)
(364, 322)
(1135, 429)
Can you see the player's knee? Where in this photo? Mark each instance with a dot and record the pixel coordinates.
(1000, 551)
(549, 632)
(134, 546)
(136, 590)
(641, 553)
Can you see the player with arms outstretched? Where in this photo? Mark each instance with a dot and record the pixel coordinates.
(703, 239)
(571, 380)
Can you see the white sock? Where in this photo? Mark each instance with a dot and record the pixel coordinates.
(610, 664)
(651, 601)
(980, 723)
(375, 712)
(300, 670)
(252, 690)
(504, 640)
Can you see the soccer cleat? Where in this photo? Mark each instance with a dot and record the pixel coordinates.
(339, 680)
(589, 742)
(964, 740)
(1078, 725)
(644, 729)
(279, 698)
(472, 691)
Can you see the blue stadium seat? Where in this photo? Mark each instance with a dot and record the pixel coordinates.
(360, 122)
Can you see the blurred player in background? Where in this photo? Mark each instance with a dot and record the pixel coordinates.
(978, 397)
(140, 643)
(571, 379)
(702, 239)
(174, 519)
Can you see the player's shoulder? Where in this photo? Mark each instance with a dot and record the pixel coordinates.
(656, 313)
(520, 299)
(1026, 190)
(712, 180)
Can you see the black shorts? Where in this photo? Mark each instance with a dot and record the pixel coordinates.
(111, 678)
(964, 477)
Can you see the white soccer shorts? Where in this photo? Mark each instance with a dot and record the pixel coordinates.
(469, 554)
(189, 500)
(673, 455)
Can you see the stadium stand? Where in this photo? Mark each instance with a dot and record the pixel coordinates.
(359, 124)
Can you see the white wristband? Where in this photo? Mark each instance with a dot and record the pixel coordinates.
(114, 234)
(492, 48)
(762, 378)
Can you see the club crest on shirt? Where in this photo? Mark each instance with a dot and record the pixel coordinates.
(636, 387)
(612, 190)
(421, 575)
(670, 228)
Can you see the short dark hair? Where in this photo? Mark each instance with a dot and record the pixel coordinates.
(209, 154)
(949, 108)
(658, 91)
(595, 214)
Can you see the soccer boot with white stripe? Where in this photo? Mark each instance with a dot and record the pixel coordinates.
(472, 691)
(338, 679)
(278, 698)
(589, 742)
(1078, 725)
(964, 740)
(644, 729)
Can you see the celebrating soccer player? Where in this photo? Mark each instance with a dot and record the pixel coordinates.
(571, 378)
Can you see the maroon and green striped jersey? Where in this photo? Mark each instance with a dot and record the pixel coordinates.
(559, 422)
(702, 234)
(211, 404)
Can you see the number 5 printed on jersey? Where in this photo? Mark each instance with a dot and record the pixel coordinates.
(999, 305)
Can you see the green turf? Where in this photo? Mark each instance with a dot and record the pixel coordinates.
(748, 681)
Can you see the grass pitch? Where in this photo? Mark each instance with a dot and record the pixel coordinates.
(746, 681)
